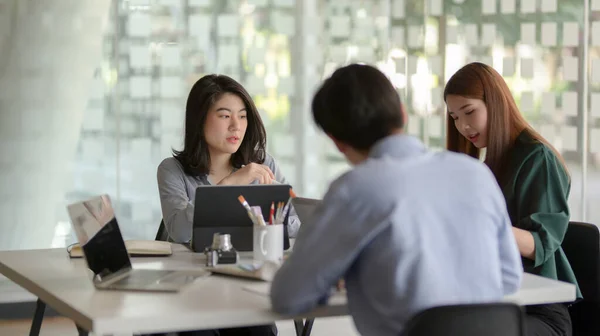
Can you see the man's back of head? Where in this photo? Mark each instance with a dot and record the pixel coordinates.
(358, 106)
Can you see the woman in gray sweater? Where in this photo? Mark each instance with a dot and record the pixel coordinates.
(224, 144)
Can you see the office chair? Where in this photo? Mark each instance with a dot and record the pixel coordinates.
(582, 248)
(493, 319)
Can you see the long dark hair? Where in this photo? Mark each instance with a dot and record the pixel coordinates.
(195, 157)
(505, 122)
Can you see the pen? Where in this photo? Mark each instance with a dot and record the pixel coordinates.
(257, 211)
(278, 212)
(287, 206)
(272, 213)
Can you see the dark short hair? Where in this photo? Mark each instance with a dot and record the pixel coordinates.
(195, 157)
(358, 105)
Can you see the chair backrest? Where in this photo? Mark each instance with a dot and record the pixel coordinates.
(161, 231)
(582, 248)
(490, 319)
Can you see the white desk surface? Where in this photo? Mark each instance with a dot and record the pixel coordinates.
(211, 302)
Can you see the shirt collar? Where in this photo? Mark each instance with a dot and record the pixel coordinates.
(397, 145)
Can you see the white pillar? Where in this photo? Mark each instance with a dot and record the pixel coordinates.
(48, 53)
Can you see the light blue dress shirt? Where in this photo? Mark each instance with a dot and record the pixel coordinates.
(407, 229)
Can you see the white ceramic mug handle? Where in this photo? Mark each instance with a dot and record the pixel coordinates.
(262, 242)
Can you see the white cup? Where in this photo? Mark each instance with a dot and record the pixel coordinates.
(268, 243)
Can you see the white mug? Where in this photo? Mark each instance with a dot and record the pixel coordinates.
(268, 242)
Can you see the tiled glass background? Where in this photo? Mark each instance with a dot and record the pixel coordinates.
(154, 50)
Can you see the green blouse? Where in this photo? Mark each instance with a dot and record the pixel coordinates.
(536, 190)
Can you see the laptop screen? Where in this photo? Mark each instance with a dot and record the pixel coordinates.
(99, 236)
(305, 207)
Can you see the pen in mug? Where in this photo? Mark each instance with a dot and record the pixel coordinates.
(257, 211)
(248, 209)
(286, 209)
(272, 213)
(277, 213)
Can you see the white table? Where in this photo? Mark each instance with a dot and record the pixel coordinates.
(213, 302)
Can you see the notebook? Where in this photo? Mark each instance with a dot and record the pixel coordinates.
(135, 248)
(264, 271)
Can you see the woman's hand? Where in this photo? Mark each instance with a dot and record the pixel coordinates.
(249, 173)
(525, 242)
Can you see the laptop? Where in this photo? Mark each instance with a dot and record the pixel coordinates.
(218, 210)
(305, 207)
(100, 238)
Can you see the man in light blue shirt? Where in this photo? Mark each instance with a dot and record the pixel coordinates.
(407, 228)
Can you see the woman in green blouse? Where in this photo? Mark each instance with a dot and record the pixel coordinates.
(531, 173)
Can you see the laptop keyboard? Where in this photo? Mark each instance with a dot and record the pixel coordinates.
(142, 277)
